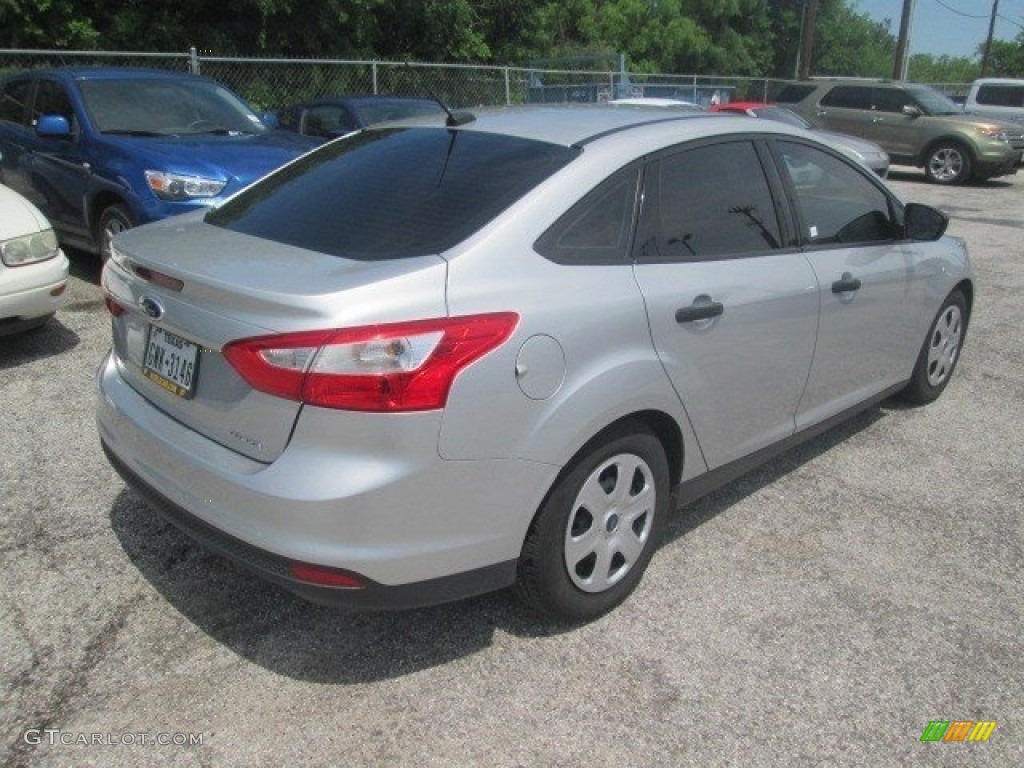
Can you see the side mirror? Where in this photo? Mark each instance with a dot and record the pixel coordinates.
(922, 222)
(53, 127)
(270, 120)
(911, 111)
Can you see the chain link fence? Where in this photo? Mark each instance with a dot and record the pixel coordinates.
(275, 83)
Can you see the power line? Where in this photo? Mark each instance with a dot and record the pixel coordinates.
(961, 13)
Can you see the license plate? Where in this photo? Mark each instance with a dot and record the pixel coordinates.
(171, 362)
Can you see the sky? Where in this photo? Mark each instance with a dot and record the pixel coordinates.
(951, 27)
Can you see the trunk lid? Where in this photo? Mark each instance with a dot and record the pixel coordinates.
(189, 288)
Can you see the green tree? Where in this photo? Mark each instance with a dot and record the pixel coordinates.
(1006, 58)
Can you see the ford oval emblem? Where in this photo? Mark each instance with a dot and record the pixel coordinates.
(151, 307)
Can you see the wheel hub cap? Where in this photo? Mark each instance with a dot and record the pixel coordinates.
(610, 523)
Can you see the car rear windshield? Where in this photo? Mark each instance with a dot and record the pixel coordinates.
(392, 193)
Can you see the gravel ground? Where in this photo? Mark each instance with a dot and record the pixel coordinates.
(820, 611)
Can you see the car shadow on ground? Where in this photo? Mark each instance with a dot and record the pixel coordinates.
(909, 173)
(49, 340)
(268, 626)
(85, 266)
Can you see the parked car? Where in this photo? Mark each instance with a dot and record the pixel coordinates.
(999, 98)
(332, 117)
(479, 361)
(915, 124)
(101, 150)
(33, 269)
(867, 152)
(655, 101)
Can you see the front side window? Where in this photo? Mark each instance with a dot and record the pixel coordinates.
(838, 204)
(13, 99)
(848, 97)
(710, 202)
(52, 99)
(392, 193)
(890, 100)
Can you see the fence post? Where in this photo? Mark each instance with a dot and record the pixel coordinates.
(508, 89)
(193, 60)
(373, 67)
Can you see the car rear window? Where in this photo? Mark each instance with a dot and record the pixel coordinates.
(1000, 95)
(392, 193)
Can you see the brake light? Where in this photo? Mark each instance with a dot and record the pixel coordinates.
(392, 367)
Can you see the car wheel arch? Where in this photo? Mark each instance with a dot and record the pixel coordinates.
(954, 140)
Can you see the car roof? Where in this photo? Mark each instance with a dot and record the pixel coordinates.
(111, 73)
(369, 98)
(569, 125)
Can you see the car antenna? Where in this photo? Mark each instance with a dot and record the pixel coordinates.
(454, 119)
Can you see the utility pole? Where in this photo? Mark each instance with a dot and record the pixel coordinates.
(807, 39)
(988, 40)
(901, 64)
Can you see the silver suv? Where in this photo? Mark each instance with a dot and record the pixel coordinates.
(428, 361)
(915, 124)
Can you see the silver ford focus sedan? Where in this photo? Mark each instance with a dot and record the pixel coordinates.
(427, 361)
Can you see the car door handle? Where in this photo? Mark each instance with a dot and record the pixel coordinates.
(699, 312)
(847, 284)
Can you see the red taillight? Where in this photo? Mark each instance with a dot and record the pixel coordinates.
(324, 576)
(391, 367)
(113, 307)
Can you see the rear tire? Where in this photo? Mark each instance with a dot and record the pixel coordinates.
(597, 530)
(114, 219)
(948, 163)
(940, 352)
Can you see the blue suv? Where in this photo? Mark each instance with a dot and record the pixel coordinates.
(103, 149)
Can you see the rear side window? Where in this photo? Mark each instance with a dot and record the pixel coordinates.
(710, 202)
(596, 230)
(1001, 95)
(12, 100)
(838, 204)
(392, 193)
(848, 97)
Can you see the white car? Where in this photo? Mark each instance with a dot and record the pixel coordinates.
(33, 269)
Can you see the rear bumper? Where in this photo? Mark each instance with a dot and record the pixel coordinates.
(276, 569)
(415, 528)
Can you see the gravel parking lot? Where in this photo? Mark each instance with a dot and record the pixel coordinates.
(820, 611)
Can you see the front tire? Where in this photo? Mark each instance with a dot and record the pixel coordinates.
(114, 220)
(940, 352)
(597, 530)
(948, 163)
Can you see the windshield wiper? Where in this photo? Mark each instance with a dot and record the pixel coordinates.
(132, 132)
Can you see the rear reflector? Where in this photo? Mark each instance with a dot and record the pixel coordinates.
(58, 290)
(113, 307)
(324, 576)
(392, 367)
